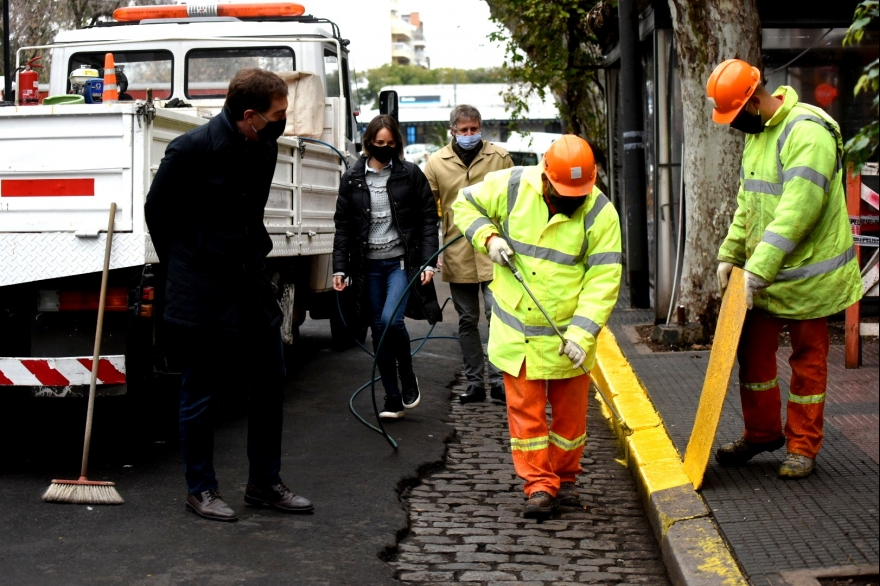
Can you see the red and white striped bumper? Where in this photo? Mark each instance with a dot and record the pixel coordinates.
(60, 372)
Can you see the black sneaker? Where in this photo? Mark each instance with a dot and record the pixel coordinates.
(409, 388)
(393, 408)
(741, 451)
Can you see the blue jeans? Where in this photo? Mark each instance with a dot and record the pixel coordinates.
(213, 360)
(386, 285)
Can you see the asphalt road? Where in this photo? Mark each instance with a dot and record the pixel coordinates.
(351, 473)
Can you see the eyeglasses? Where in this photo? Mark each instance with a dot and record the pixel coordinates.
(382, 143)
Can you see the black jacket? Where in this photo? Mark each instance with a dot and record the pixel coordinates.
(205, 215)
(415, 217)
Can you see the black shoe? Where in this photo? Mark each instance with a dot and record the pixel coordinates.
(568, 495)
(409, 384)
(393, 408)
(539, 505)
(473, 394)
(497, 393)
(278, 497)
(210, 505)
(741, 451)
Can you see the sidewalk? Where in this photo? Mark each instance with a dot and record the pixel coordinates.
(773, 527)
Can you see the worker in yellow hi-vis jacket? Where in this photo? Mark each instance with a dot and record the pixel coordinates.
(791, 235)
(564, 237)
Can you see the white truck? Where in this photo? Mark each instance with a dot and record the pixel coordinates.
(61, 166)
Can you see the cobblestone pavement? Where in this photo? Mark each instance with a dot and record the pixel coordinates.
(466, 522)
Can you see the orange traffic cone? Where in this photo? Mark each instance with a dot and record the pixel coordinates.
(110, 94)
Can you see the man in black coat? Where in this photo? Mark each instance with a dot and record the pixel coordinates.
(205, 215)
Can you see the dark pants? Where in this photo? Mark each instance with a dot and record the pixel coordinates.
(386, 284)
(213, 360)
(466, 298)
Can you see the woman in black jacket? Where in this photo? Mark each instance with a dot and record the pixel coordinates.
(386, 230)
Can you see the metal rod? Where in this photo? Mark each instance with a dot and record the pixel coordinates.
(522, 282)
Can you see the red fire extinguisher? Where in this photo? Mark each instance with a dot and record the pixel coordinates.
(28, 83)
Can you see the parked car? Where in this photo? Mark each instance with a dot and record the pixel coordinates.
(418, 153)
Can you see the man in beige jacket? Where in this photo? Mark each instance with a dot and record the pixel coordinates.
(464, 162)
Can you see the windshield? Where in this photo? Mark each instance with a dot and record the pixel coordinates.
(208, 71)
(137, 71)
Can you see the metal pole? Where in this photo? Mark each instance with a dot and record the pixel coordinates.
(635, 195)
(7, 58)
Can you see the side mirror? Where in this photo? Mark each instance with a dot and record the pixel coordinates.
(388, 103)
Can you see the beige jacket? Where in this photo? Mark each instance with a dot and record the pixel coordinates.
(447, 175)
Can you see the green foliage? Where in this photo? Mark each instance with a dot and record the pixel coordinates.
(549, 45)
(394, 74)
(863, 146)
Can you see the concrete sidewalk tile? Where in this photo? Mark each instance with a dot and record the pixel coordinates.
(696, 555)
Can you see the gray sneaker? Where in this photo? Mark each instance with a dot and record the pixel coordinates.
(796, 466)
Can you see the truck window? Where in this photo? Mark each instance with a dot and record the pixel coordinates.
(142, 70)
(331, 73)
(208, 71)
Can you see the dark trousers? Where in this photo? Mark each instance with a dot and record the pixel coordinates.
(213, 360)
(386, 284)
(466, 298)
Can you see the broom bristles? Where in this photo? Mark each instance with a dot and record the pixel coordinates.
(82, 492)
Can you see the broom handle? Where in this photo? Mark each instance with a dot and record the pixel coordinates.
(97, 353)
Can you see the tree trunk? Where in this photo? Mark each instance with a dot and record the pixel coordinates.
(706, 33)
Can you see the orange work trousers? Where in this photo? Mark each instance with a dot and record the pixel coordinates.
(546, 456)
(759, 384)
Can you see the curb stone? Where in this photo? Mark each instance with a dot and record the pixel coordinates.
(693, 550)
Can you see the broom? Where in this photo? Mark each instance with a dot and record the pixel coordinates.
(85, 491)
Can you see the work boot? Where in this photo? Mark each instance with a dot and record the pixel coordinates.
(742, 450)
(210, 505)
(393, 408)
(539, 505)
(497, 393)
(568, 495)
(278, 497)
(409, 389)
(473, 394)
(796, 466)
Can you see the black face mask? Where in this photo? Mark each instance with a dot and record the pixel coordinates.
(748, 123)
(272, 130)
(566, 205)
(383, 154)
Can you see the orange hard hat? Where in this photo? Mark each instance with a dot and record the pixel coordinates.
(729, 88)
(570, 167)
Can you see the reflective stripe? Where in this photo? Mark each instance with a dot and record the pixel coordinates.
(760, 386)
(806, 399)
(542, 253)
(604, 258)
(765, 187)
(807, 173)
(512, 321)
(472, 229)
(468, 195)
(590, 219)
(819, 268)
(512, 194)
(780, 242)
(587, 324)
(530, 444)
(565, 444)
(780, 143)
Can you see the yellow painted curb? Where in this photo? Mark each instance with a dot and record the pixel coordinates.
(693, 548)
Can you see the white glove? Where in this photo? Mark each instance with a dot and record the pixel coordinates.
(496, 245)
(724, 269)
(574, 352)
(753, 284)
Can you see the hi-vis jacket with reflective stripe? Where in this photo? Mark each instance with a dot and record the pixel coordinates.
(572, 265)
(791, 227)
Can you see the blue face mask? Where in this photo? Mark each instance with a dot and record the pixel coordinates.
(469, 142)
